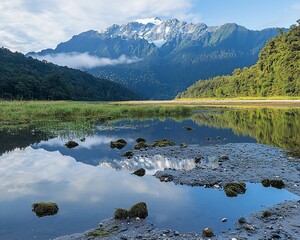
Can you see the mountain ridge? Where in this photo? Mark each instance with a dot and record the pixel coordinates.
(173, 54)
(276, 73)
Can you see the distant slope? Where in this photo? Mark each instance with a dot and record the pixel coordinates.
(172, 54)
(27, 78)
(277, 73)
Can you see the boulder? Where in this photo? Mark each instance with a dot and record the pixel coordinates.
(140, 172)
(71, 144)
(208, 232)
(234, 188)
(138, 210)
(43, 209)
(119, 144)
(121, 213)
(128, 154)
(140, 145)
(138, 140)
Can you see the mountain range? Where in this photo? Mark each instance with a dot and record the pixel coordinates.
(158, 59)
(276, 73)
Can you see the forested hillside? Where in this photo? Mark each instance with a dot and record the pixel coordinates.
(277, 73)
(27, 78)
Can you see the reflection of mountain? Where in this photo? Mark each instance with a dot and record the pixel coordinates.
(156, 162)
(12, 139)
(277, 127)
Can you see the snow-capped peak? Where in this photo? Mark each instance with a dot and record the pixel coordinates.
(155, 21)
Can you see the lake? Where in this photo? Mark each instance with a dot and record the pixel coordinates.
(90, 181)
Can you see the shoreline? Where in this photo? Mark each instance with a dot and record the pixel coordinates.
(218, 103)
(247, 162)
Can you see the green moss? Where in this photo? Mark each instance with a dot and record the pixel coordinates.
(99, 232)
(71, 144)
(266, 214)
(140, 172)
(138, 140)
(162, 143)
(138, 210)
(121, 213)
(140, 145)
(266, 182)
(42, 209)
(276, 183)
(234, 188)
(119, 144)
(128, 154)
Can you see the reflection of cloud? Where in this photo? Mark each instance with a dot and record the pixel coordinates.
(84, 60)
(33, 172)
(151, 164)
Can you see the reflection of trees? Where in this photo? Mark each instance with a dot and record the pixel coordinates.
(11, 139)
(277, 127)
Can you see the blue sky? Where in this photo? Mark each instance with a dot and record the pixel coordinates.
(32, 25)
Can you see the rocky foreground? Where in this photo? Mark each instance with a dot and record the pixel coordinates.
(215, 166)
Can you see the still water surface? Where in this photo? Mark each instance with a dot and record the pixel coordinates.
(90, 181)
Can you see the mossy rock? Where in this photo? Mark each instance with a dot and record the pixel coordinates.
(266, 183)
(275, 183)
(121, 213)
(128, 154)
(266, 214)
(71, 144)
(235, 188)
(140, 145)
(138, 210)
(139, 140)
(140, 172)
(162, 143)
(119, 144)
(43, 209)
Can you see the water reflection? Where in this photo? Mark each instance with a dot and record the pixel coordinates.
(151, 164)
(277, 127)
(96, 148)
(87, 194)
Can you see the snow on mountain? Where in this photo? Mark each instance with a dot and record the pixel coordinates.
(156, 31)
(145, 21)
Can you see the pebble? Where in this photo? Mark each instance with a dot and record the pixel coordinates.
(224, 220)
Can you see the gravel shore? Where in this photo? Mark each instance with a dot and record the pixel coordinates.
(216, 166)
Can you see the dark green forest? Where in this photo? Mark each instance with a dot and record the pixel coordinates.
(23, 78)
(277, 73)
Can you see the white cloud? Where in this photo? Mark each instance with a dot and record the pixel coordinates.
(84, 60)
(32, 25)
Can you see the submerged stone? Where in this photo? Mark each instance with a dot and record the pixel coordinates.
(138, 210)
(188, 128)
(235, 188)
(43, 209)
(140, 145)
(162, 143)
(71, 144)
(119, 144)
(140, 172)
